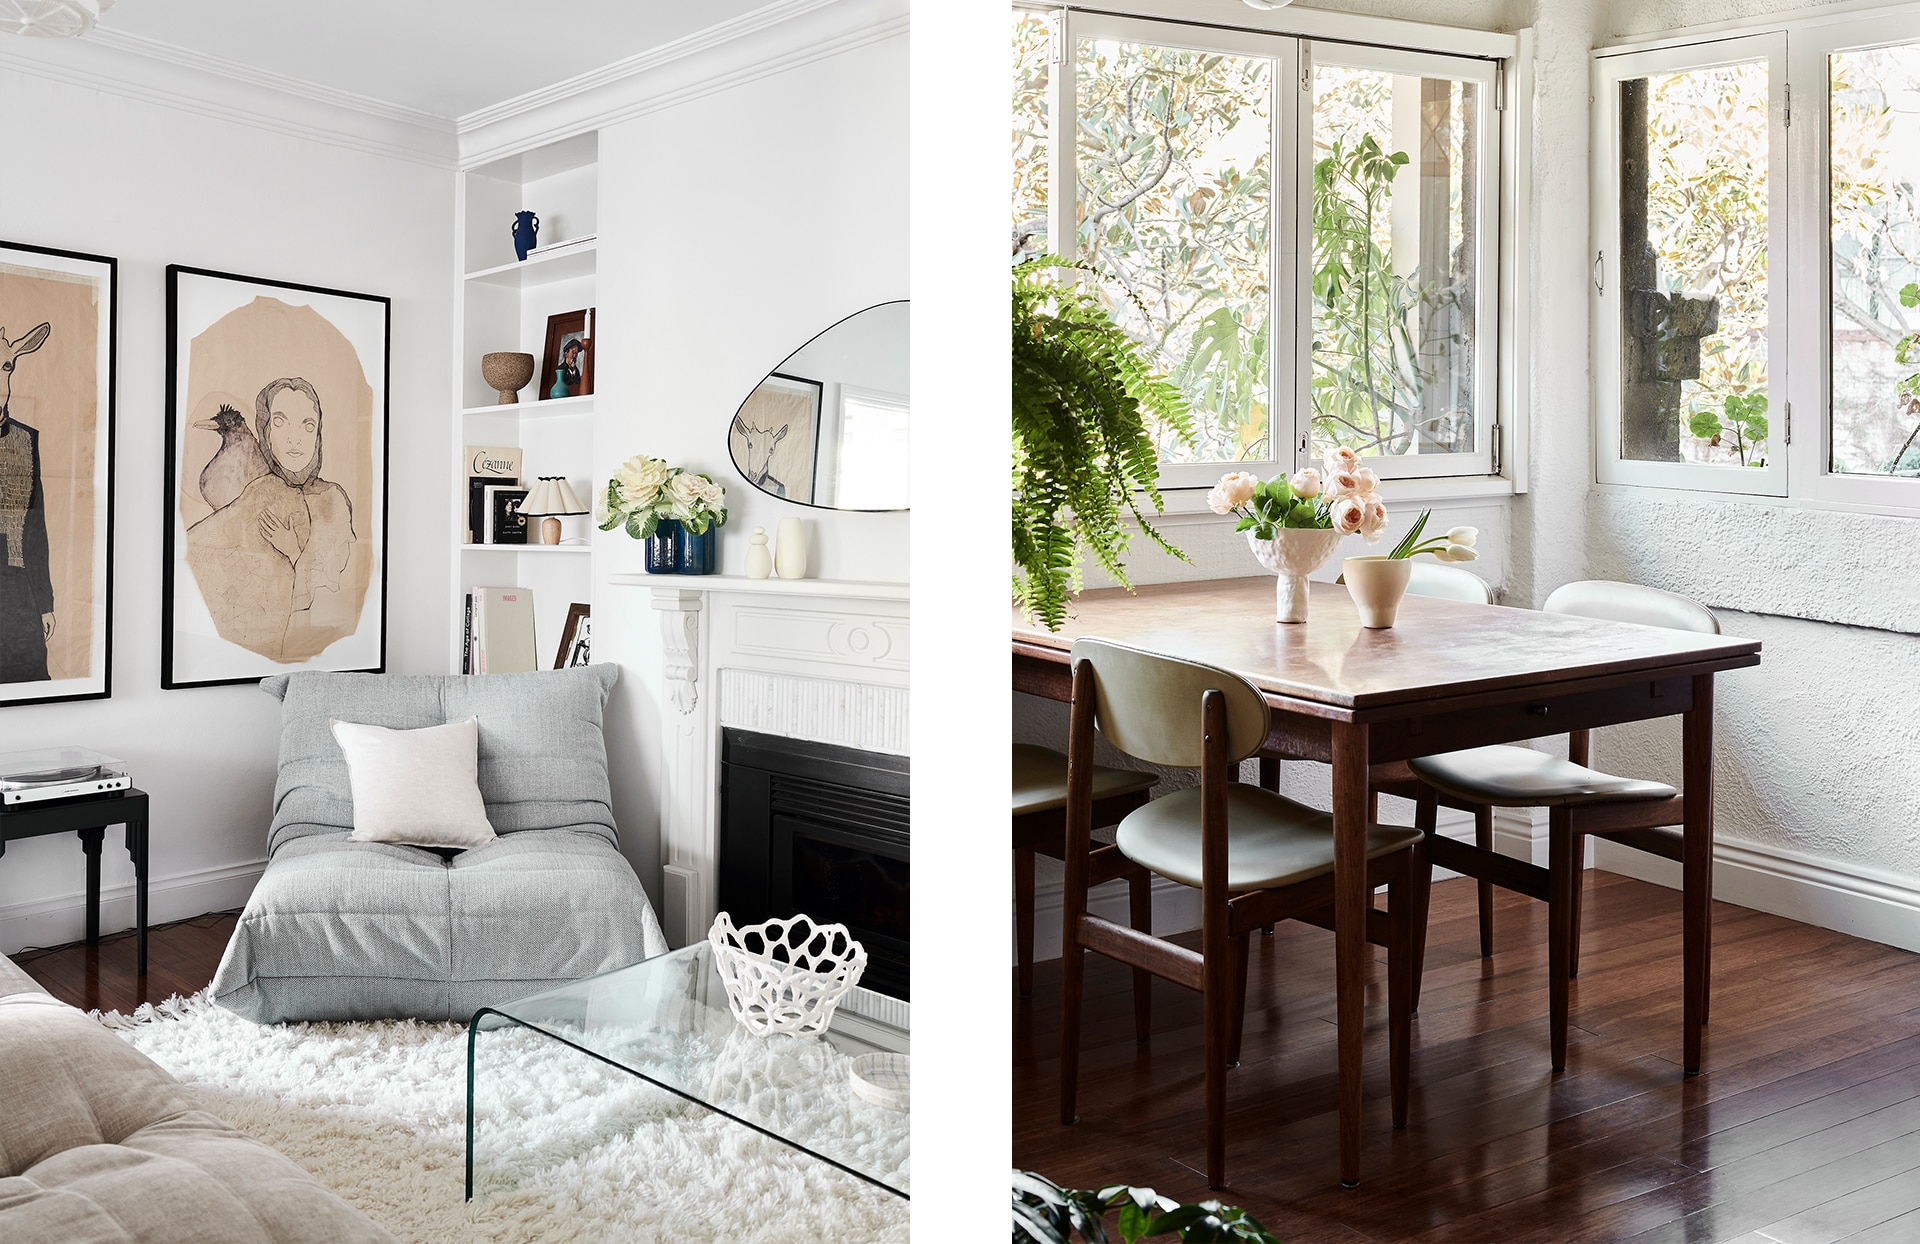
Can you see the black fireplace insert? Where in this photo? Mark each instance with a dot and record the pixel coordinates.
(820, 829)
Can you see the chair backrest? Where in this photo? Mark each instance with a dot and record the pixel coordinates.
(1447, 582)
(1629, 602)
(1148, 705)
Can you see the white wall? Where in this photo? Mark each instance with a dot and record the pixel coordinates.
(95, 171)
(733, 227)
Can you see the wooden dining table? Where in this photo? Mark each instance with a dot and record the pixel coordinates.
(1448, 675)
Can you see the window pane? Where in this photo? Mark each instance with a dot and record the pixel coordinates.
(1175, 204)
(1693, 266)
(1394, 274)
(1875, 165)
(1031, 33)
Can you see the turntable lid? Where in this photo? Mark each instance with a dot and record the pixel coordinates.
(46, 765)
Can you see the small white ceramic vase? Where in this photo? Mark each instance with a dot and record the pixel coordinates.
(1377, 585)
(759, 560)
(790, 552)
(1293, 554)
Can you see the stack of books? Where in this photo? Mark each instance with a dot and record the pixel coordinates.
(499, 631)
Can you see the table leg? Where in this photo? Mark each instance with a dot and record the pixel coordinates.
(1696, 863)
(137, 851)
(1350, 953)
(90, 839)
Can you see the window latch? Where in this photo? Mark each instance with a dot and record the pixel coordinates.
(1599, 274)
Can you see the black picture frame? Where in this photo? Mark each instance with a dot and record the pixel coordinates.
(64, 265)
(211, 655)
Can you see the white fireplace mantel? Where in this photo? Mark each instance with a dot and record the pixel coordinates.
(818, 659)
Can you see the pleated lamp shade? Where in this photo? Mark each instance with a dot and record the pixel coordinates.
(550, 497)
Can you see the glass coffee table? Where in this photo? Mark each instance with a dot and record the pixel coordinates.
(665, 1021)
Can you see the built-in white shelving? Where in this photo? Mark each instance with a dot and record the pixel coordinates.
(504, 305)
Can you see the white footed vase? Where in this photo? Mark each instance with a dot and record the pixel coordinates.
(1377, 585)
(1293, 554)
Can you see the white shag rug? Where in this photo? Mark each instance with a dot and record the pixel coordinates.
(568, 1149)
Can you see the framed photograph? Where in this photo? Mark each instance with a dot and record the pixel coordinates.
(776, 436)
(276, 492)
(569, 355)
(57, 313)
(575, 639)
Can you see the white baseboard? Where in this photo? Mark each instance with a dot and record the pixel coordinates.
(1176, 907)
(63, 918)
(1858, 900)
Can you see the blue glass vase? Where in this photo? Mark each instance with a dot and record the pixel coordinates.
(526, 233)
(697, 552)
(663, 548)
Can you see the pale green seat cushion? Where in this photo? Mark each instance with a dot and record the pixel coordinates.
(1519, 777)
(1040, 780)
(1271, 841)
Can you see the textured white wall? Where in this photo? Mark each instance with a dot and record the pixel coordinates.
(91, 171)
(733, 228)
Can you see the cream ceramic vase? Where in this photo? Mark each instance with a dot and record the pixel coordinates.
(1377, 585)
(1293, 554)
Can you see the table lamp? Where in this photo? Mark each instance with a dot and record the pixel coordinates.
(551, 497)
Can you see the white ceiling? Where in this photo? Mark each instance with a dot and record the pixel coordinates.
(444, 57)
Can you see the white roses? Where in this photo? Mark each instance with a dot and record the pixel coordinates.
(1341, 496)
(646, 490)
(1234, 490)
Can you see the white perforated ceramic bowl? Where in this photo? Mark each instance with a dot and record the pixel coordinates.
(786, 976)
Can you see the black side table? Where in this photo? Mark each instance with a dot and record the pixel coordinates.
(90, 818)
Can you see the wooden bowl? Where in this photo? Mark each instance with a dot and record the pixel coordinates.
(508, 372)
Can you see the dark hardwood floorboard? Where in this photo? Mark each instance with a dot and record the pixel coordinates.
(181, 959)
(1803, 1126)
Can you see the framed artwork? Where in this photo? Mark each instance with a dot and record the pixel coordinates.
(569, 354)
(57, 314)
(576, 639)
(776, 436)
(276, 494)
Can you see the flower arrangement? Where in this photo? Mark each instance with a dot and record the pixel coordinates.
(1343, 497)
(646, 490)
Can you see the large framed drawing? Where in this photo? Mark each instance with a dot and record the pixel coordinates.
(776, 433)
(57, 313)
(276, 510)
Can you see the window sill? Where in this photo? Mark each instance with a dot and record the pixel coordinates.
(1189, 502)
(1708, 497)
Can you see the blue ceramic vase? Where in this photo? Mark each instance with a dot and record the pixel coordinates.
(559, 388)
(663, 548)
(697, 552)
(526, 233)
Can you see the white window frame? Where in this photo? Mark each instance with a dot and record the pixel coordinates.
(1800, 373)
(1503, 62)
(1608, 73)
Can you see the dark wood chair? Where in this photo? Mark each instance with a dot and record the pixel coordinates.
(1040, 828)
(1255, 857)
(1580, 802)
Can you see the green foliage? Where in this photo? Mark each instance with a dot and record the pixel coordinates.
(1908, 351)
(1082, 392)
(1045, 1213)
(1743, 415)
(1365, 387)
(1274, 505)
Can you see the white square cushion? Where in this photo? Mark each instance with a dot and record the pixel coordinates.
(416, 787)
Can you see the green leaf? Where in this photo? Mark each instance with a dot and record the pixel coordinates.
(1756, 427)
(1705, 425)
(1910, 294)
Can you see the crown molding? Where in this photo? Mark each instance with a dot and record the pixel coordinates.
(151, 72)
(770, 40)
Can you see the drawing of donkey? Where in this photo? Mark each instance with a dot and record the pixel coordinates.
(10, 352)
(761, 442)
(26, 583)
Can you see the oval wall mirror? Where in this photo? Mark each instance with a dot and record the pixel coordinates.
(829, 426)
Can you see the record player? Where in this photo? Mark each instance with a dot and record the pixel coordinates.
(58, 773)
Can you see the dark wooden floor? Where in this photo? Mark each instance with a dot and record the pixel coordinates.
(1803, 1127)
(181, 958)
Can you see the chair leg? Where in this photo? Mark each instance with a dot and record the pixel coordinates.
(1140, 905)
(1560, 878)
(1218, 1004)
(1426, 815)
(1241, 947)
(1023, 917)
(1579, 856)
(1073, 972)
(1483, 838)
(1420, 892)
(1403, 911)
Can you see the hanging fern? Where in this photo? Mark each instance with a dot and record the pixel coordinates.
(1082, 390)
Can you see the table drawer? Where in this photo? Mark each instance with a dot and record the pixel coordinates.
(1535, 716)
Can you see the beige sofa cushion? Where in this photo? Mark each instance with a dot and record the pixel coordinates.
(97, 1143)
